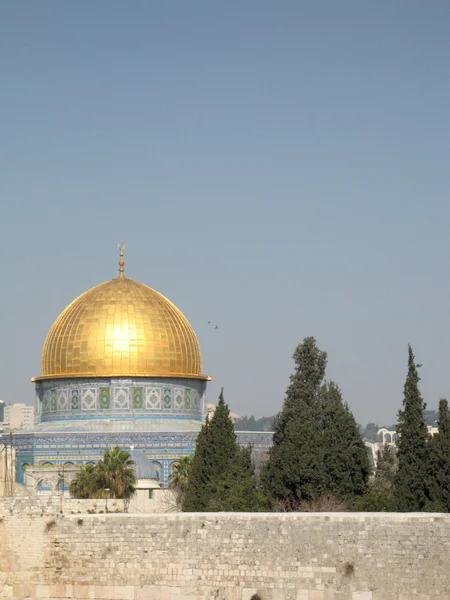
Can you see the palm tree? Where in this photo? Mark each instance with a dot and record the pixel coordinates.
(116, 473)
(84, 484)
(180, 473)
(180, 478)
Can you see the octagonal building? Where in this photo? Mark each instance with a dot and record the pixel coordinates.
(121, 365)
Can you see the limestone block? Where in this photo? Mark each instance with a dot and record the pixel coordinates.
(7, 591)
(106, 592)
(155, 592)
(42, 591)
(57, 591)
(124, 592)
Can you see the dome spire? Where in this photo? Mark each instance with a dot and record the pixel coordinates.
(121, 248)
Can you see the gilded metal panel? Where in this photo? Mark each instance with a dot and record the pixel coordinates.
(121, 328)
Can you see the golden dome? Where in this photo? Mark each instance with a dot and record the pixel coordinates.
(121, 328)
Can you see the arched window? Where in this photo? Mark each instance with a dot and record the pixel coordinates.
(158, 469)
(44, 487)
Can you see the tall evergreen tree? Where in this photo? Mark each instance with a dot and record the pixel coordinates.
(345, 459)
(239, 491)
(221, 475)
(317, 447)
(411, 488)
(440, 460)
(294, 470)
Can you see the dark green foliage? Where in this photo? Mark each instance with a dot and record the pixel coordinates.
(294, 470)
(440, 460)
(222, 475)
(85, 483)
(376, 499)
(317, 448)
(238, 491)
(114, 472)
(345, 459)
(411, 487)
(198, 490)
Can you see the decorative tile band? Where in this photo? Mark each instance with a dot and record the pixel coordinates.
(78, 398)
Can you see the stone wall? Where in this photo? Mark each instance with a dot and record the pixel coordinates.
(54, 505)
(238, 556)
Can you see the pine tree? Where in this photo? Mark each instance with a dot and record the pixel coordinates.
(345, 459)
(222, 474)
(440, 460)
(294, 470)
(411, 487)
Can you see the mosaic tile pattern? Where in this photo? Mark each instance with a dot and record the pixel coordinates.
(75, 400)
(153, 398)
(109, 398)
(187, 399)
(104, 397)
(138, 397)
(121, 398)
(167, 398)
(62, 400)
(89, 398)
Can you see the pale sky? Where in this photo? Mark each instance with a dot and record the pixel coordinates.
(277, 168)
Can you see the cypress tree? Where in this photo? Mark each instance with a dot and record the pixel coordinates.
(294, 470)
(345, 458)
(197, 491)
(440, 460)
(411, 484)
(239, 491)
(222, 474)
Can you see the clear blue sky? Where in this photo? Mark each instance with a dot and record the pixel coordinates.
(278, 168)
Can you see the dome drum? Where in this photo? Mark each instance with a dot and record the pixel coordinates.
(119, 398)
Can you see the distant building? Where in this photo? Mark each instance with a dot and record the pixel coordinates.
(212, 407)
(19, 416)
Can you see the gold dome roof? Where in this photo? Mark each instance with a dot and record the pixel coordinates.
(121, 328)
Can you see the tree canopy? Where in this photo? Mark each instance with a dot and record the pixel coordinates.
(440, 460)
(317, 448)
(222, 474)
(412, 480)
(113, 476)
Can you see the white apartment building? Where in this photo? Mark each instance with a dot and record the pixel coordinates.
(19, 416)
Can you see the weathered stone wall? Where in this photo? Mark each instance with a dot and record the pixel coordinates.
(307, 556)
(54, 505)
